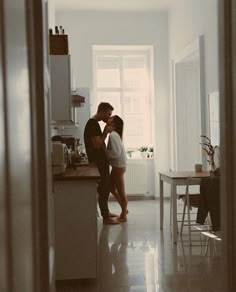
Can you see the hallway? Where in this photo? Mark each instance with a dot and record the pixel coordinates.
(138, 256)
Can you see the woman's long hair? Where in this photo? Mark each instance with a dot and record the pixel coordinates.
(119, 125)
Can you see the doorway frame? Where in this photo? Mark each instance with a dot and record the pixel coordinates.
(195, 47)
(227, 82)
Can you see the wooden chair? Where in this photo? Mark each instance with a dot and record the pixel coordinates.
(212, 238)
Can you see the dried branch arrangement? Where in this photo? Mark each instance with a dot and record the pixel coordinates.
(210, 151)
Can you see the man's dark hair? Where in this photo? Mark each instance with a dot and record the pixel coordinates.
(104, 106)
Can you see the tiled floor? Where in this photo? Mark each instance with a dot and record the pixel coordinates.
(138, 256)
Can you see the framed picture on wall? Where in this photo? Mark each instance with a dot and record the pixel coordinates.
(214, 117)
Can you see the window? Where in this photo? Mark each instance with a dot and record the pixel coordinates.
(122, 77)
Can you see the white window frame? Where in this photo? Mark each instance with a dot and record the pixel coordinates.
(146, 51)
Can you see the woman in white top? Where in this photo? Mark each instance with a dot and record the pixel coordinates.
(117, 159)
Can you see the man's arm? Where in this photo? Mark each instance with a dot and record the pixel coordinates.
(98, 141)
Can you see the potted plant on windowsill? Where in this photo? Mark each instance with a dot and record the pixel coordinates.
(150, 152)
(143, 150)
(129, 153)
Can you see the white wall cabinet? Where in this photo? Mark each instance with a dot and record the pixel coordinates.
(62, 111)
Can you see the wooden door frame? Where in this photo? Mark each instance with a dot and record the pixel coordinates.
(24, 184)
(37, 33)
(227, 67)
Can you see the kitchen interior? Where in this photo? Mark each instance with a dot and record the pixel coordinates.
(137, 255)
(72, 173)
(71, 37)
(70, 110)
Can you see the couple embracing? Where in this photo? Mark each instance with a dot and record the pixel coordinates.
(113, 155)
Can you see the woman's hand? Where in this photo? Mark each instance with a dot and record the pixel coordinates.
(108, 129)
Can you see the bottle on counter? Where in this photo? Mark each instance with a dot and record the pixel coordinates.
(82, 148)
(70, 152)
(78, 149)
(56, 30)
(60, 30)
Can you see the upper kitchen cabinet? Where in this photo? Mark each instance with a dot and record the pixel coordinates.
(62, 110)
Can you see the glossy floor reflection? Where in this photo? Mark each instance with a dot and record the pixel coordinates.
(138, 256)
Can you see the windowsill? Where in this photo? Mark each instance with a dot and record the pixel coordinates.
(136, 154)
(140, 158)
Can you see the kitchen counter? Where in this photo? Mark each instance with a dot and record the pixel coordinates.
(75, 219)
(79, 172)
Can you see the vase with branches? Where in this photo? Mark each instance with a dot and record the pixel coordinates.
(210, 151)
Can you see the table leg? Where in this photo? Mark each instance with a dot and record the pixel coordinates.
(174, 215)
(161, 203)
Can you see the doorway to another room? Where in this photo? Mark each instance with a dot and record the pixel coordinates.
(188, 106)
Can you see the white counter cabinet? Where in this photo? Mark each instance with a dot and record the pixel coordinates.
(75, 209)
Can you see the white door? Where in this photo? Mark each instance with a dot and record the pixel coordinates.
(188, 107)
(188, 115)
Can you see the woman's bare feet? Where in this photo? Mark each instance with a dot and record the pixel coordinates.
(123, 216)
(122, 219)
(111, 221)
(112, 215)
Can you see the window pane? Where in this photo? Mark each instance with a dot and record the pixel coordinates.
(135, 103)
(134, 62)
(127, 104)
(135, 79)
(134, 124)
(108, 72)
(135, 75)
(133, 130)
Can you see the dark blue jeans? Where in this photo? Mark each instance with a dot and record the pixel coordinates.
(104, 187)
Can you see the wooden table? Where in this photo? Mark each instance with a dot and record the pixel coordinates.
(178, 178)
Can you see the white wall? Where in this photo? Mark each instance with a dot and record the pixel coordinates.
(187, 20)
(116, 28)
(51, 14)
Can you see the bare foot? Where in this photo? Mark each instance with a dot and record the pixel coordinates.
(110, 221)
(124, 214)
(112, 215)
(122, 219)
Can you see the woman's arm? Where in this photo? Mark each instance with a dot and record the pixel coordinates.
(114, 148)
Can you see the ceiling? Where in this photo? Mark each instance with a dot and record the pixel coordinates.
(113, 5)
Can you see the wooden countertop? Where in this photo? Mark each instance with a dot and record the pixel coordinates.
(89, 171)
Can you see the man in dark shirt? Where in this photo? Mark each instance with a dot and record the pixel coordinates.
(95, 148)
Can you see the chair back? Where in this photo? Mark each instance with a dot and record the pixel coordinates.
(193, 191)
(193, 181)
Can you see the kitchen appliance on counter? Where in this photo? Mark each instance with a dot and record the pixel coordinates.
(59, 157)
(70, 141)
